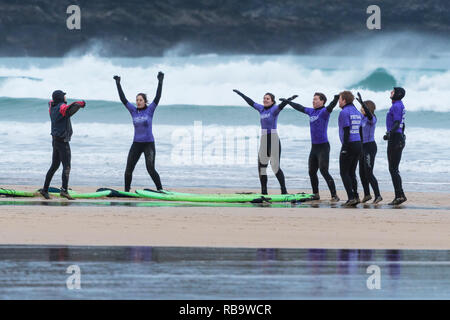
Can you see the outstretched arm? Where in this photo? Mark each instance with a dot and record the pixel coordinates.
(159, 89)
(247, 99)
(285, 102)
(297, 106)
(74, 107)
(119, 89)
(369, 114)
(333, 103)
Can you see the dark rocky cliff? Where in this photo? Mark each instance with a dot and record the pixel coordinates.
(140, 28)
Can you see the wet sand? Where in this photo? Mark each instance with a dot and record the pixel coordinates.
(423, 222)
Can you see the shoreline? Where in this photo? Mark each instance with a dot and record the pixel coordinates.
(423, 222)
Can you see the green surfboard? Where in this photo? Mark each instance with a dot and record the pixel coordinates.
(192, 197)
(16, 193)
(91, 195)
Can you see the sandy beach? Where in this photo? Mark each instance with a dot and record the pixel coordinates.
(423, 222)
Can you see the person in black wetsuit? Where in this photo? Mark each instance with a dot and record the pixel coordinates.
(61, 132)
(395, 135)
(319, 156)
(367, 159)
(350, 134)
(270, 146)
(143, 142)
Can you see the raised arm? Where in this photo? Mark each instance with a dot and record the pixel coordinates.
(333, 103)
(159, 89)
(250, 102)
(369, 114)
(297, 106)
(119, 89)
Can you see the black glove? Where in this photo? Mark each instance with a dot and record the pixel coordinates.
(117, 78)
(360, 100)
(293, 97)
(237, 91)
(336, 97)
(160, 76)
(387, 136)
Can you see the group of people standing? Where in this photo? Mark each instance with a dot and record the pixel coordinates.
(356, 132)
(357, 135)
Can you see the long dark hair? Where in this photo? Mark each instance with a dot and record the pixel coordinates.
(144, 96)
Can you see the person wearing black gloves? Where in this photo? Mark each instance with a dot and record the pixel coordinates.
(143, 142)
(61, 131)
(369, 151)
(350, 133)
(270, 146)
(319, 156)
(395, 135)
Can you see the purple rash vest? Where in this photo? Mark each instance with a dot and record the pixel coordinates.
(268, 116)
(369, 129)
(396, 113)
(142, 121)
(318, 124)
(350, 117)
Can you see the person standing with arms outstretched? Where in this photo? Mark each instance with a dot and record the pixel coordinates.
(369, 150)
(350, 133)
(60, 114)
(143, 142)
(270, 146)
(395, 135)
(319, 156)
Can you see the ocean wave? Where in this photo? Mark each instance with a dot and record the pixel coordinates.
(209, 80)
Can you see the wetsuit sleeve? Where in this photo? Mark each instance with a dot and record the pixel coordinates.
(332, 104)
(361, 133)
(247, 99)
(395, 126)
(122, 95)
(369, 114)
(158, 93)
(74, 107)
(346, 138)
(298, 107)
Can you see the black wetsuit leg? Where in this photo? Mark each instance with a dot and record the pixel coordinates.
(313, 167)
(266, 143)
(133, 157)
(136, 150)
(394, 153)
(347, 164)
(324, 163)
(366, 165)
(150, 152)
(61, 154)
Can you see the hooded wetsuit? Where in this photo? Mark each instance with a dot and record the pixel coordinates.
(395, 125)
(143, 141)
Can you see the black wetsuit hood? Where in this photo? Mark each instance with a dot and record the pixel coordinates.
(399, 93)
